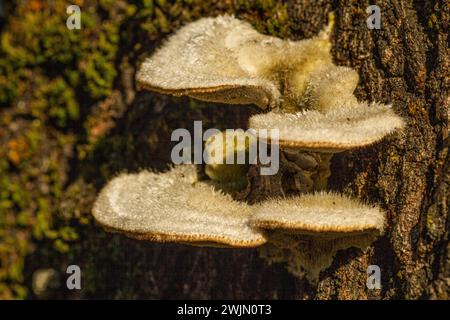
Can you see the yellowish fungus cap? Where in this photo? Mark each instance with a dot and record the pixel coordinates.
(174, 207)
(323, 214)
(234, 146)
(338, 129)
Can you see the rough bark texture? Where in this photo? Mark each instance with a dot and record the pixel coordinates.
(405, 63)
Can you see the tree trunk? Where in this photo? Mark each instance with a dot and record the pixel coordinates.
(405, 63)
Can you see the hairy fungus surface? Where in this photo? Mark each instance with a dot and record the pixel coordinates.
(224, 59)
(208, 59)
(323, 214)
(174, 207)
(339, 129)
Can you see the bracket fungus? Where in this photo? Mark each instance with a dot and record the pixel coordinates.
(174, 207)
(339, 129)
(311, 100)
(306, 97)
(325, 214)
(306, 231)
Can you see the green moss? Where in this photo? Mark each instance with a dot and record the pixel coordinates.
(55, 100)
(84, 58)
(268, 16)
(98, 70)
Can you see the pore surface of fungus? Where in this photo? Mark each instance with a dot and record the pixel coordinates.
(174, 207)
(208, 59)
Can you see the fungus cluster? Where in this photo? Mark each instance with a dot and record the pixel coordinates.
(304, 95)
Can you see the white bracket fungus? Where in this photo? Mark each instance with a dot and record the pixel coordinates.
(204, 59)
(225, 60)
(311, 102)
(174, 207)
(321, 213)
(339, 129)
